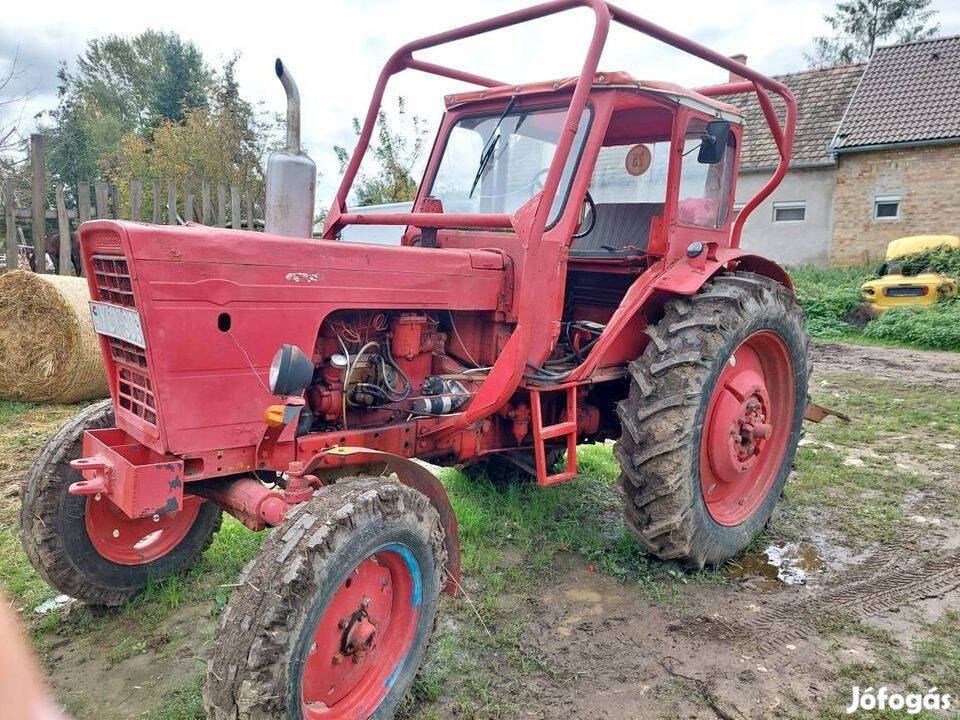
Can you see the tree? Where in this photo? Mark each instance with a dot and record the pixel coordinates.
(861, 24)
(9, 98)
(224, 139)
(122, 86)
(396, 153)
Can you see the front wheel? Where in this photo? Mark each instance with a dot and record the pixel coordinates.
(84, 546)
(713, 417)
(332, 620)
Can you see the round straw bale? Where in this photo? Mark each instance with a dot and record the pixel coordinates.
(48, 349)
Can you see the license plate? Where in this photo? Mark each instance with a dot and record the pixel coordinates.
(118, 322)
(906, 291)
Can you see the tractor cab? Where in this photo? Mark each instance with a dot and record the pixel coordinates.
(642, 152)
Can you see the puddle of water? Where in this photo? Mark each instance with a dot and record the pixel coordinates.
(777, 566)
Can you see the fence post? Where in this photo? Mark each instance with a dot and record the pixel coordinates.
(248, 196)
(13, 248)
(171, 202)
(65, 265)
(136, 198)
(101, 195)
(187, 200)
(221, 204)
(236, 220)
(83, 201)
(205, 202)
(38, 207)
(156, 201)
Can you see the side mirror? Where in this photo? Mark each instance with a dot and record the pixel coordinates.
(714, 142)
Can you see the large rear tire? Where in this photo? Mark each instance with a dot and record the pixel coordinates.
(85, 547)
(712, 420)
(332, 620)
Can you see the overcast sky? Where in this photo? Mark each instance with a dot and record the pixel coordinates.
(335, 48)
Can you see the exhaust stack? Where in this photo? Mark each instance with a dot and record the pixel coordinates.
(291, 174)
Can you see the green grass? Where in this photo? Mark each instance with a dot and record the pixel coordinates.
(186, 704)
(932, 660)
(867, 501)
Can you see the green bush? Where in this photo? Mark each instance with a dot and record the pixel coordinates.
(829, 298)
(943, 260)
(828, 327)
(933, 326)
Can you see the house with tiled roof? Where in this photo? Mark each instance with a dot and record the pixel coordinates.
(898, 150)
(795, 224)
(876, 157)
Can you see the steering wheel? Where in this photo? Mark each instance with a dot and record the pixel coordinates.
(592, 210)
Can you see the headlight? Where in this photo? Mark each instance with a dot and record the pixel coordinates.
(290, 372)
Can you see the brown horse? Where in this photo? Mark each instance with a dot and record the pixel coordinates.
(51, 245)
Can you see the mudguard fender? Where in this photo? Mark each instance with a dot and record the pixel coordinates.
(416, 476)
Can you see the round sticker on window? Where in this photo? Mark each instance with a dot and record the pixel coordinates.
(638, 160)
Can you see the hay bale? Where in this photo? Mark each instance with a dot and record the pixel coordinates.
(48, 349)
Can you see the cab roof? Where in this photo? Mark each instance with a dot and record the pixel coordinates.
(607, 81)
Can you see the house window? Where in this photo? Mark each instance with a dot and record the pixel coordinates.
(886, 207)
(737, 209)
(789, 212)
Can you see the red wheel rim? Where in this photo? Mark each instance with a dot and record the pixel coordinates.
(748, 424)
(361, 641)
(135, 542)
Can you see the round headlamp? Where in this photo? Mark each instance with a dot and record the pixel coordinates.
(290, 372)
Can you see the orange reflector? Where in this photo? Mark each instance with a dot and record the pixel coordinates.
(273, 416)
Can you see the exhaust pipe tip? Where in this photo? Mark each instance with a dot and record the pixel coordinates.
(293, 105)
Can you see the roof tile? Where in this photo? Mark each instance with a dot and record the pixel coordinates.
(822, 96)
(909, 93)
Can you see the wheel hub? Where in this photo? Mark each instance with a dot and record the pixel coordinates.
(362, 637)
(747, 427)
(359, 634)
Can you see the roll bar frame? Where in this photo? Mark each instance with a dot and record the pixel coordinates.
(604, 13)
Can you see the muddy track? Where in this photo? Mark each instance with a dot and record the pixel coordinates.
(916, 367)
(887, 580)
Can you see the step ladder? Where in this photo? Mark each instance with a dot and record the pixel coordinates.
(542, 433)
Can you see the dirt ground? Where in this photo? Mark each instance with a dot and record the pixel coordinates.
(857, 581)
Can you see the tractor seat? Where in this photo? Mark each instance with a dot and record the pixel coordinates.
(621, 229)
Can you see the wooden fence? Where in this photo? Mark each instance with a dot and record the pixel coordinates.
(174, 202)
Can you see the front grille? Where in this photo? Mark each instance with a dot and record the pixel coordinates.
(113, 280)
(124, 352)
(135, 394)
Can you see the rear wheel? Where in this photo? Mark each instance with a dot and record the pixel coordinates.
(713, 417)
(333, 618)
(84, 546)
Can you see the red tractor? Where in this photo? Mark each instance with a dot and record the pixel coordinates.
(570, 272)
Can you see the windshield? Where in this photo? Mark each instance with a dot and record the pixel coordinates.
(495, 163)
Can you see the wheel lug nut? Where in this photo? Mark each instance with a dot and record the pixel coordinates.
(342, 624)
(116, 533)
(337, 659)
(156, 518)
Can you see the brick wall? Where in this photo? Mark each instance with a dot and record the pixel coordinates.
(927, 179)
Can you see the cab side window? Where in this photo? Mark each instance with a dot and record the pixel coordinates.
(704, 188)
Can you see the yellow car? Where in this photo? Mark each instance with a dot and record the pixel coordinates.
(892, 288)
